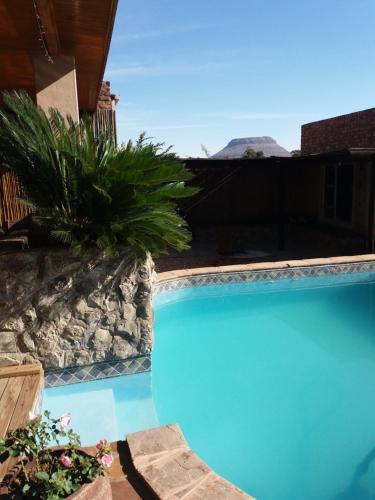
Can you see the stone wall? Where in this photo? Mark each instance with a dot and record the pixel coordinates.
(66, 311)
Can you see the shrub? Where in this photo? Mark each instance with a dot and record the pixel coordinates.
(86, 191)
(251, 154)
(51, 474)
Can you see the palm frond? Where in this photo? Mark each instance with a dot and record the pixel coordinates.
(87, 192)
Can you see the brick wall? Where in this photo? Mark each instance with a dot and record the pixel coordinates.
(105, 99)
(355, 130)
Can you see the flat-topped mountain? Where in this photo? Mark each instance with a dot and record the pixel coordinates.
(236, 148)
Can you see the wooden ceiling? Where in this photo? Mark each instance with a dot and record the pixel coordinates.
(79, 28)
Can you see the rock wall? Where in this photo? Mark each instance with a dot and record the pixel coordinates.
(66, 311)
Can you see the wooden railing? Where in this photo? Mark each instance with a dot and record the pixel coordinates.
(11, 210)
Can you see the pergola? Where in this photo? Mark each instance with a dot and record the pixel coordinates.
(56, 50)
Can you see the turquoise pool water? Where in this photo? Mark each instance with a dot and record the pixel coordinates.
(271, 383)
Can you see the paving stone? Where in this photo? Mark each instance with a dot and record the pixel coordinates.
(215, 487)
(148, 446)
(179, 471)
(164, 460)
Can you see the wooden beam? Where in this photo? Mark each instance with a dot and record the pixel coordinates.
(46, 12)
(21, 370)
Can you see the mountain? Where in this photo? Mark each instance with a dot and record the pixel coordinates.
(237, 147)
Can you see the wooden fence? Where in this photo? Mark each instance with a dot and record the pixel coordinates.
(11, 210)
(105, 120)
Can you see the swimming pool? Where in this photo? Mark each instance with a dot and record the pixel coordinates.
(271, 383)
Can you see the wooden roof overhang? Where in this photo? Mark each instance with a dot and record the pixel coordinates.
(79, 28)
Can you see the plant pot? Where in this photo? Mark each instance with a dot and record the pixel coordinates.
(100, 489)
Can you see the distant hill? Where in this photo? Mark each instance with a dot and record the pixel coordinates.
(237, 147)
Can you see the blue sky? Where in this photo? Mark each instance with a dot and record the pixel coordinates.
(192, 72)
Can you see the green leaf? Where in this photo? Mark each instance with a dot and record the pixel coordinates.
(25, 488)
(42, 475)
(86, 192)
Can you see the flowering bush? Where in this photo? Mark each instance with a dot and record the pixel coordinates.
(51, 473)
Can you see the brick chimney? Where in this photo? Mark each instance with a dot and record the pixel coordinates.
(106, 99)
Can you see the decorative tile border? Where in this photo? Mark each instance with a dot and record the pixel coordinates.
(288, 273)
(97, 371)
(292, 270)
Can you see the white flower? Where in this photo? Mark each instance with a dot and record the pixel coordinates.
(65, 420)
(32, 416)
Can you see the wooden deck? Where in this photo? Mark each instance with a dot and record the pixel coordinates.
(20, 387)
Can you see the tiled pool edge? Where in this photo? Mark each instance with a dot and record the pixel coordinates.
(249, 273)
(97, 371)
(175, 280)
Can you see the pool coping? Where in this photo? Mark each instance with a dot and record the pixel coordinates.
(263, 271)
(185, 278)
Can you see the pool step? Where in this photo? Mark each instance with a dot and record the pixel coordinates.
(164, 460)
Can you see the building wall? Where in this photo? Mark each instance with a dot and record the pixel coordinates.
(360, 203)
(56, 85)
(355, 130)
(303, 191)
(361, 195)
(251, 194)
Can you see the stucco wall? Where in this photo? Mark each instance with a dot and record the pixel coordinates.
(56, 85)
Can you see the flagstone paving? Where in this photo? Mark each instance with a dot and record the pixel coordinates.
(163, 458)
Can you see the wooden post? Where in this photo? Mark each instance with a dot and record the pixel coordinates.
(371, 214)
(3, 224)
(281, 215)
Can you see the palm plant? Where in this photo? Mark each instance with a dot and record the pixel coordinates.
(87, 192)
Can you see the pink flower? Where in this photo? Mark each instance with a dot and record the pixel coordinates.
(32, 416)
(66, 461)
(106, 460)
(65, 420)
